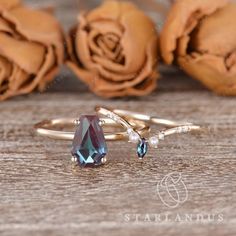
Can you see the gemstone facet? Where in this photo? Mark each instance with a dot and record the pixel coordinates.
(89, 145)
(142, 148)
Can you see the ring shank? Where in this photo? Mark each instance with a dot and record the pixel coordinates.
(172, 127)
(46, 128)
(151, 119)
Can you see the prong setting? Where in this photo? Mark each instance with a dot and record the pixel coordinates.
(101, 122)
(74, 159)
(76, 122)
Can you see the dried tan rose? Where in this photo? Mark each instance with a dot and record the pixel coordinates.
(113, 50)
(31, 49)
(200, 35)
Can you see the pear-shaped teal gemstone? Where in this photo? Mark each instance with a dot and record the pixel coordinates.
(89, 145)
(142, 148)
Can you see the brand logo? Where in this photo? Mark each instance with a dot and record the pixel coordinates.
(171, 190)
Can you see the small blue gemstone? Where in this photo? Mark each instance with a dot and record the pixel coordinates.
(142, 148)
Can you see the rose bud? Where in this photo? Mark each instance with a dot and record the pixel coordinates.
(113, 50)
(201, 37)
(31, 49)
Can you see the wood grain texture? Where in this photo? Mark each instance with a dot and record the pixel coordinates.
(41, 193)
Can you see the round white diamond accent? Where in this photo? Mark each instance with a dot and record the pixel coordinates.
(186, 129)
(73, 159)
(133, 137)
(104, 160)
(130, 130)
(153, 141)
(161, 136)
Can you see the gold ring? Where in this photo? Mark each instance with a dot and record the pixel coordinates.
(172, 127)
(89, 141)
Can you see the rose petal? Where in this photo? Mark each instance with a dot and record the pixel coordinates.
(109, 10)
(113, 55)
(70, 42)
(92, 42)
(146, 72)
(212, 74)
(48, 69)
(43, 83)
(110, 76)
(32, 42)
(182, 18)
(81, 47)
(5, 69)
(27, 55)
(5, 26)
(13, 82)
(203, 37)
(105, 27)
(104, 52)
(138, 29)
(17, 78)
(216, 34)
(111, 40)
(38, 26)
(230, 62)
(48, 65)
(8, 4)
(108, 89)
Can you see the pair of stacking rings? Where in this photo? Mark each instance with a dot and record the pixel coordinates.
(89, 140)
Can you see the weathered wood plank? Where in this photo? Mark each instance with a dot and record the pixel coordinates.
(41, 192)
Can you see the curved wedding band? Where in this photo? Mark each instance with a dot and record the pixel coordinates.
(174, 127)
(150, 119)
(123, 116)
(89, 140)
(47, 128)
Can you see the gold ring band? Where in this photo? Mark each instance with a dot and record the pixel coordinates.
(150, 119)
(123, 116)
(89, 140)
(46, 128)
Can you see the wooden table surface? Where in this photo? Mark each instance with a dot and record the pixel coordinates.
(42, 193)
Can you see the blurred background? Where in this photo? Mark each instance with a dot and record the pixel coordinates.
(74, 6)
(67, 13)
